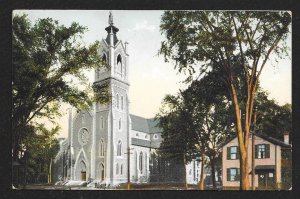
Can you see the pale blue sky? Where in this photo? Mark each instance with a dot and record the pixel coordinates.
(149, 76)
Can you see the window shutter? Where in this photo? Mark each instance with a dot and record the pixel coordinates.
(238, 153)
(228, 153)
(228, 174)
(238, 174)
(256, 151)
(267, 150)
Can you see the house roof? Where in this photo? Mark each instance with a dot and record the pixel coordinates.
(267, 138)
(144, 125)
(273, 140)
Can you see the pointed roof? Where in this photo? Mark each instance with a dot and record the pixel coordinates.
(111, 28)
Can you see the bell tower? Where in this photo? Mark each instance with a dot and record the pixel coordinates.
(111, 121)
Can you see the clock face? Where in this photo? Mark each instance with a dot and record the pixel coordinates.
(83, 136)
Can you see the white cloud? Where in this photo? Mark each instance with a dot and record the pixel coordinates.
(142, 26)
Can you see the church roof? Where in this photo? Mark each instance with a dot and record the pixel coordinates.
(144, 125)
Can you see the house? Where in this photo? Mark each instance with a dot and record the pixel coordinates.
(270, 153)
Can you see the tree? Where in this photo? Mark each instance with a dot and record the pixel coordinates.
(40, 149)
(212, 121)
(272, 119)
(46, 58)
(177, 144)
(227, 41)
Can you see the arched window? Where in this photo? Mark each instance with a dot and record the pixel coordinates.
(117, 168)
(141, 162)
(118, 102)
(121, 169)
(119, 64)
(104, 59)
(101, 148)
(120, 124)
(102, 122)
(122, 103)
(119, 148)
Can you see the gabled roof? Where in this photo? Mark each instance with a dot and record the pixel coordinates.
(273, 140)
(144, 125)
(267, 138)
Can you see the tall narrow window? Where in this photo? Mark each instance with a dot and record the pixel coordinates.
(119, 148)
(141, 162)
(102, 122)
(101, 148)
(118, 103)
(104, 58)
(122, 103)
(119, 64)
(117, 168)
(121, 169)
(120, 124)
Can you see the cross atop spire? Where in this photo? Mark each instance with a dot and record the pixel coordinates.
(110, 19)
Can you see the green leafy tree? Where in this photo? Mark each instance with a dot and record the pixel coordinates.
(211, 118)
(178, 144)
(47, 57)
(40, 150)
(272, 119)
(200, 41)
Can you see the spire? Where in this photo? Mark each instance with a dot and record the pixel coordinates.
(110, 19)
(111, 29)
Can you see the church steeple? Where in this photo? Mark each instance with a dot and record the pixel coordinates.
(111, 29)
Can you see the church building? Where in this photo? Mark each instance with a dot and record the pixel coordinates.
(99, 139)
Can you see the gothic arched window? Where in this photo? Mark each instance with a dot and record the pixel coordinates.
(119, 64)
(117, 168)
(101, 148)
(121, 169)
(119, 148)
(104, 59)
(141, 162)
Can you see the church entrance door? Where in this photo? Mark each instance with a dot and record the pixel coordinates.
(83, 175)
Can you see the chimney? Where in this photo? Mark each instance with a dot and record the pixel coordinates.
(286, 139)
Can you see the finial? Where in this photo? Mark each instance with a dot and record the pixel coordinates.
(110, 19)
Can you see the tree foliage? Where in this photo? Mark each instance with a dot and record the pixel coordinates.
(272, 119)
(39, 150)
(47, 58)
(229, 42)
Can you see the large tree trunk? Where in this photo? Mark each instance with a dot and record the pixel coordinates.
(243, 141)
(184, 173)
(50, 172)
(244, 173)
(213, 171)
(201, 184)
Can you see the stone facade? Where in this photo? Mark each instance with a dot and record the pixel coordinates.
(99, 138)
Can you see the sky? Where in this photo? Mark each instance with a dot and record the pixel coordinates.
(150, 78)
